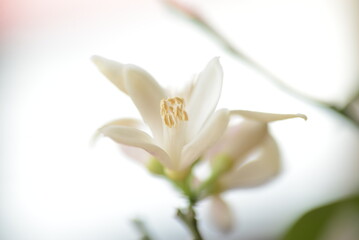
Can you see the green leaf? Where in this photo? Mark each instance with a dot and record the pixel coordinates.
(312, 225)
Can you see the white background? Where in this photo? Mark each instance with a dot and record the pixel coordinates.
(54, 187)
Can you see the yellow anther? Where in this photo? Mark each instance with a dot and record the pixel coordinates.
(185, 116)
(172, 111)
(178, 113)
(180, 100)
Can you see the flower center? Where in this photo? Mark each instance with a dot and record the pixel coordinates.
(173, 111)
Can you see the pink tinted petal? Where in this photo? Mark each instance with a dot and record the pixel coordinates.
(136, 154)
(240, 139)
(220, 214)
(257, 172)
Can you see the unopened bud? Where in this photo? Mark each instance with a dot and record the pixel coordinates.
(221, 164)
(154, 166)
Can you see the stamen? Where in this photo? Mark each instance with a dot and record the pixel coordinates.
(173, 111)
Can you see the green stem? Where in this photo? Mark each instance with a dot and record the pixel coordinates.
(189, 218)
(188, 215)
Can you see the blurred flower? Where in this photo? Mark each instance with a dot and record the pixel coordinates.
(251, 148)
(246, 156)
(183, 124)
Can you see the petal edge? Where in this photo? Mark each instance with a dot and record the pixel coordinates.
(112, 70)
(266, 117)
(205, 95)
(146, 94)
(137, 138)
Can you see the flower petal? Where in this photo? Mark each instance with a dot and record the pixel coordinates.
(129, 122)
(220, 214)
(205, 95)
(146, 94)
(240, 139)
(137, 138)
(258, 171)
(113, 70)
(266, 117)
(209, 134)
(137, 154)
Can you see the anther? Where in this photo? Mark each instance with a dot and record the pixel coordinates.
(172, 111)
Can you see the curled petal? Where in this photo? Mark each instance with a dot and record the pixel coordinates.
(220, 214)
(128, 122)
(205, 95)
(114, 71)
(266, 117)
(146, 94)
(258, 171)
(209, 134)
(137, 138)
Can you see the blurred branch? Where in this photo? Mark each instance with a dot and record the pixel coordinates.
(351, 109)
(353, 99)
(197, 18)
(140, 226)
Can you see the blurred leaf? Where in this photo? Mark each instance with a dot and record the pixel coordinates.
(313, 225)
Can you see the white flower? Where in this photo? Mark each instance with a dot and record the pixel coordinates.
(183, 125)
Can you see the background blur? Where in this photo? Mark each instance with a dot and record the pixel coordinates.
(52, 99)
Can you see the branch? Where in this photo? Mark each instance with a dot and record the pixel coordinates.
(198, 19)
(140, 226)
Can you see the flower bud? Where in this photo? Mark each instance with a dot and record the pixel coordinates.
(221, 214)
(221, 164)
(154, 166)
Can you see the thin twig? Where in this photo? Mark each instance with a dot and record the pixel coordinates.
(189, 218)
(140, 226)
